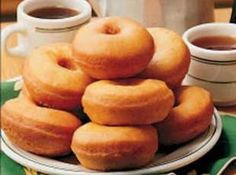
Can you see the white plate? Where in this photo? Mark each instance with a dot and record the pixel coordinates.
(163, 162)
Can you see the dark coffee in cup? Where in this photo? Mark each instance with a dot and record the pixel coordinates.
(53, 12)
(216, 42)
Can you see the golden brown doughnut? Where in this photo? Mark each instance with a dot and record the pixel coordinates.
(36, 129)
(113, 47)
(53, 78)
(114, 147)
(127, 101)
(171, 60)
(190, 117)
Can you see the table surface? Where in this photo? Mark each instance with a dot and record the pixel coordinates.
(11, 67)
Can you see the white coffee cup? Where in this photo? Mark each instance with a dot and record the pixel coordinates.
(213, 70)
(34, 32)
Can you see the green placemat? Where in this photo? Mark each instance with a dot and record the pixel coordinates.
(212, 163)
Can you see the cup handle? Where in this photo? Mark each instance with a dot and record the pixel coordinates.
(20, 50)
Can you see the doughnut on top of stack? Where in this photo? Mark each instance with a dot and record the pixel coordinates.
(113, 47)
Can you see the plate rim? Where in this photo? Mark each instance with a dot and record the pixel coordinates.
(164, 168)
(16, 78)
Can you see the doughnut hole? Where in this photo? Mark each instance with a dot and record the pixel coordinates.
(67, 64)
(128, 82)
(111, 29)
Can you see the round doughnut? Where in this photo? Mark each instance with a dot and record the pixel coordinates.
(114, 147)
(36, 129)
(171, 59)
(113, 47)
(127, 101)
(53, 77)
(189, 118)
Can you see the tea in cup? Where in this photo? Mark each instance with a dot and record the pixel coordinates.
(213, 60)
(41, 22)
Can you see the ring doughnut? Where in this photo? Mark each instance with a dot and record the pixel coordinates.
(171, 60)
(114, 147)
(53, 78)
(127, 101)
(190, 117)
(113, 47)
(36, 129)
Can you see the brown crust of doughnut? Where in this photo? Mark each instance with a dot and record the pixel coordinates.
(36, 129)
(113, 47)
(189, 118)
(127, 102)
(50, 84)
(113, 148)
(171, 59)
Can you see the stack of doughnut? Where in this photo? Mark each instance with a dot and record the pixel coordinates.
(126, 78)
(40, 119)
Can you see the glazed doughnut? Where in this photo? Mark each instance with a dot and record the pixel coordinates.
(189, 118)
(171, 60)
(53, 78)
(113, 47)
(127, 101)
(36, 129)
(114, 147)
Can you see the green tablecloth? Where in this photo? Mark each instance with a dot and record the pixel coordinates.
(223, 152)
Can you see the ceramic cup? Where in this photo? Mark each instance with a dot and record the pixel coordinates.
(33, 32)
(213, 70)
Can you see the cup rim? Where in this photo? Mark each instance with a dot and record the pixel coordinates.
(214, 53)
(83, 16)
